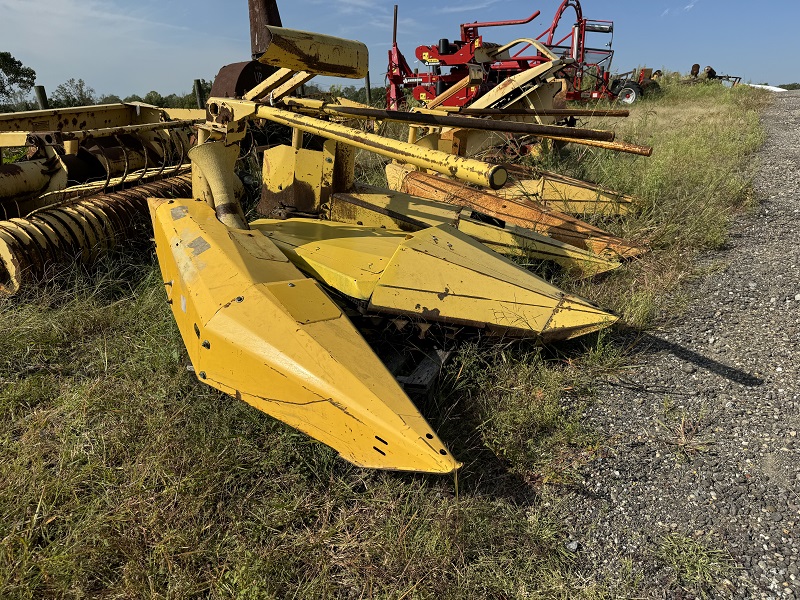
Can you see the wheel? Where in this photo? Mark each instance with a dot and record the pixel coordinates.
(630, 93)
(650, 88)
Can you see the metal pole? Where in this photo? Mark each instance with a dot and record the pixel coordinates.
(198, 94)
(550, 131)
(368, 88)
(394, 28)
(41, 97)
(545, 112)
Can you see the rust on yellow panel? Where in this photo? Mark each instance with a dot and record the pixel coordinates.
(436, 274)
(82, 117)
(528, 214)
(396, 210)
(314, 53)
(257, 329)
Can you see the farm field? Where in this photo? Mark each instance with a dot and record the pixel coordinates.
(123, 476)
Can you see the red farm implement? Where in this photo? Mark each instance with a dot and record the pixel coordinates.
(466, 68)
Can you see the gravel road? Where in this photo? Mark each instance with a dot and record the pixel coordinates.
(704, 430)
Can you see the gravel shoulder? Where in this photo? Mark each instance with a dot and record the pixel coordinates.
(704, 428)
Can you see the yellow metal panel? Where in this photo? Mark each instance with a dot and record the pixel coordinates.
(299, 178)
(305, 302)
(349, 259)
(441, 274)
(437, 274)
(101, 116)
(182, 114)
(10, 139)
(298, 359)
(396, 210)
(518, 241)
(315, 53)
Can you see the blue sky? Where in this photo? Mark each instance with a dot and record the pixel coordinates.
(134, 47)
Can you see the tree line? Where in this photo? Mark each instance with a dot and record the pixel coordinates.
(17, 81)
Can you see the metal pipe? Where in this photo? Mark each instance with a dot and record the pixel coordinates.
(200, 97)
(368, 88)
(41, 97)
(525, 21)
(547, 131)
(394, 28)
(616, 146)
(465, 169)
(545, 112)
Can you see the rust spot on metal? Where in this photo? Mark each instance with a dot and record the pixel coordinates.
(9, 170)
(312, 62)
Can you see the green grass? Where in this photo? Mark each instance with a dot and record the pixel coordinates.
(697, 179)
(123, 477)
(696, 565)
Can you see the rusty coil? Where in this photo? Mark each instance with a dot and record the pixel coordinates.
(82, 230)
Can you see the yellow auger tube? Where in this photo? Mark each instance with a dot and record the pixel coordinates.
(257, 329)
(437, 274)
(463, 169)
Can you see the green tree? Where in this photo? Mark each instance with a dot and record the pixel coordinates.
(154, 98)
(14, 76)
(72, 93)
(109, 99)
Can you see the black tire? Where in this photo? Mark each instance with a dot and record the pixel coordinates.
(616, 85)
(650, 88)
(629, 94)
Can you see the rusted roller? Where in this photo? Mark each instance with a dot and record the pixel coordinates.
(80, 230)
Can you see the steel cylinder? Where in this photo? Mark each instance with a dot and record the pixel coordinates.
(81, 230)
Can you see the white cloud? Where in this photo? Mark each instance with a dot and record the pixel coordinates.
(461, 8)
(116, 48)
